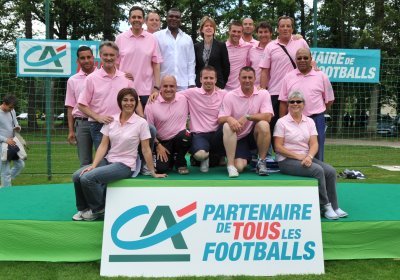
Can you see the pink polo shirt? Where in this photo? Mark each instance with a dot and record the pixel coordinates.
(315, 87)
(238, 58)
(237, 105)
(74, 88)
(169, 118)
(125, 139)
(296, 135)
(100, 92)
(255, 55)
(278, 62)
(203, 108)
(136, 54)
(253, 42)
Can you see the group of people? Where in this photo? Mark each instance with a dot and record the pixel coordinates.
(168, 96)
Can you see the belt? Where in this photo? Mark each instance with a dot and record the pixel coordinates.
(315, 115)
(81, 118)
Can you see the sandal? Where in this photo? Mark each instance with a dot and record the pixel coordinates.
(183, 170)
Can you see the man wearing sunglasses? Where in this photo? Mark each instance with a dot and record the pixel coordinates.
(317, 91)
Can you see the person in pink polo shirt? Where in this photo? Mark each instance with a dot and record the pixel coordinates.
(248, 30)
(316, 89)
(98, 98)
(238, 51)
(296, 144)
(153, 22)
(264, 34)
(245, 114)
(275, 62)
(168, 113)
(78, 124)
(139, 56)
(115, 158)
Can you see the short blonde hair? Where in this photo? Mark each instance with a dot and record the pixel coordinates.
(203, 21)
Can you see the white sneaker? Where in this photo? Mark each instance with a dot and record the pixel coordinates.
(329, 213)
(90, 216)
(232, 171)
(78, 215)
(204, 165)
(341, 213)
(145, 170)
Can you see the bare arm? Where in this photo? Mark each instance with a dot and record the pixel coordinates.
(329, 105)
(71, 133)
(264, 77)
(148, 157)
(260, 117)
(99, 118)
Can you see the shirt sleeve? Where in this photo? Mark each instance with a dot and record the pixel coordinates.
(328, 90)
(156, 57)
(283, 94)
(148, 112)
(265, 61)
(225, 109)
(87, 92)
(279, 130)
(311, 127)
(70, 100)
(105, 130)
(266, 106)
(144, 131)
(191, 64)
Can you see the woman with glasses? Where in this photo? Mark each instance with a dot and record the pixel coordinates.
(295, 139)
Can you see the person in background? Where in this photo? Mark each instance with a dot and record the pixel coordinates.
(115, 158)
(248, 30)
(177, 51)
(153, 22)
(296, 145)
(211, 52)
(8, 124)
(78, 122)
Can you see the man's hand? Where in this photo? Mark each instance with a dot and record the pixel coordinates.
(153, 96)
(11, 142)
(71, 138)
(129, 76)
(162, 153)
(243, 120)
(234, 124)
(104, 119)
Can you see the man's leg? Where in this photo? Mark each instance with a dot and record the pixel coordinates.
(319, 120)
(5, 173)
(95, 128)
(84, 141)
(181, 145)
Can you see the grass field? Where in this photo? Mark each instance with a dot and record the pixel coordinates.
(65, 161)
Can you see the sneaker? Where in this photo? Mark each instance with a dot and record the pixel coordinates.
(232, 171)
(204, 165)
(261, 168)
(78, 215)
(145, 170)
(341, 213)
(329, 213)
(90, 216)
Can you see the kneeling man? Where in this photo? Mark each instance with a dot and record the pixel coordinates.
(245, 114)
(169, 114)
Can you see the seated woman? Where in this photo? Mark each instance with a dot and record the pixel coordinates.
(123, 135)
(295, 139)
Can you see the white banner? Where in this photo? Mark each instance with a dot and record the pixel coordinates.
(177, 231)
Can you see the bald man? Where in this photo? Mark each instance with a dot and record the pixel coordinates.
(169, 113)
(316, 89)
(248, 30)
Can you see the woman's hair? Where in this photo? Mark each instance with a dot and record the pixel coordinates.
(296, 94)
(124, 92)
(203, 21)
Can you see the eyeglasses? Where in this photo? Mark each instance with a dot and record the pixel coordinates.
(302, 58)
(295, 101)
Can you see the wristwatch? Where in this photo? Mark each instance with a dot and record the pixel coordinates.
(248, 117)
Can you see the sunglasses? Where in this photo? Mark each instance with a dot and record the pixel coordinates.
(302, 58)
(295, 101)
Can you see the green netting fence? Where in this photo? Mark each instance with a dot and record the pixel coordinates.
(363, 126)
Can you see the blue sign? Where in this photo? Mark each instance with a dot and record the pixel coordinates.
(348, 65)
(51, 58)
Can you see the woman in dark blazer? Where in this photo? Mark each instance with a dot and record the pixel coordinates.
(211, 52)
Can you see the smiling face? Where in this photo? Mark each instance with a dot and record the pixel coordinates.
(235, 33)
(86, 61)
(208, 29)
(108, 56)
(168, 88)
(246, 79)
(173, 20)
(264, 35)
(136, 19)
(153, 22)
(303, 60)
(295, 105)
(208, 79)
(128, 104)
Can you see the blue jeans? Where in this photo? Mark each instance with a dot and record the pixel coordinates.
(319, 120)
(8, 173)
(95, 128)
(90, 188)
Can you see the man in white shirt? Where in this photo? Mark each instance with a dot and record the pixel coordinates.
(177, 51)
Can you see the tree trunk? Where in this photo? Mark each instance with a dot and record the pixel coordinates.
(107, 19)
